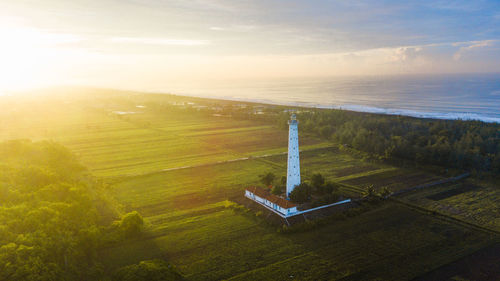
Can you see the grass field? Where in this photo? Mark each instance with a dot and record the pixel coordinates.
(394, 179)
(469, 201)
(189, 225)
(212, 243)
(177, 169)
(114, 145)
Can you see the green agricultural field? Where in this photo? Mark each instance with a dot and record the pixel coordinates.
(470, 201)
(395, 179)
(179, 166)
(190, 188)
(144, 140)
(189, 226)
(212, 243)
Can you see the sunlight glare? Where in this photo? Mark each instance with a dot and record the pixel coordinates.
(26, 55)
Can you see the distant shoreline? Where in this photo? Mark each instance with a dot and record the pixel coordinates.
(464, 116)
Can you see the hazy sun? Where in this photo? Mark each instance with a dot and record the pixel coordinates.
(27, 56)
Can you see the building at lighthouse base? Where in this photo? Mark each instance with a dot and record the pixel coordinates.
(271, 201)
(281, 206)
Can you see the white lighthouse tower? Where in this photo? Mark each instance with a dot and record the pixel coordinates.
(293, 167)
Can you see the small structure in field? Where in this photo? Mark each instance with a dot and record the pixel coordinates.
(271, 201)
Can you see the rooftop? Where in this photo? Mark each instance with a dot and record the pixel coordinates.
(282, 202)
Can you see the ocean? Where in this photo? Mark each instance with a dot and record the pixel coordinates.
(457, 96)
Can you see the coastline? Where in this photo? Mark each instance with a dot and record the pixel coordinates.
(464, 116)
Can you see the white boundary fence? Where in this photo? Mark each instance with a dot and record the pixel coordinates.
(301, 212)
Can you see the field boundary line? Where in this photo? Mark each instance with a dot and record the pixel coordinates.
(351, 187)
(445, 217)
(433, 213)
(366, 174)
(431, 184)
(244, 158)
(267, 265)
(491, 243)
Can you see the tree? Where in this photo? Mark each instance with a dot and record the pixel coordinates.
(385, 192)
(317, 181)
(369, 191)
(330, 187)
(267, 179)
(326, 131)
(50, 229)
(277, 190)
(283, 179)
(326, 199)
(131, 224)
(301, 193)
(149, 270)
(458, 144)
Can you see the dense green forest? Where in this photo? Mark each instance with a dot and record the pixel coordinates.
(470, 145)
(54, 217)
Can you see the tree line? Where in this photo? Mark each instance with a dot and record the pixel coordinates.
(55, 217)
(469, 145)
(462, 144)
(323, 191)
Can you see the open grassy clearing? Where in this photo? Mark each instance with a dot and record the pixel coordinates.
(144, 140)
(468, 201)
(390, 243)
(189, 226)
(329, 161)
(394, 179)
(190, 188)
(211, 243)
(481, 265)
(339, 166)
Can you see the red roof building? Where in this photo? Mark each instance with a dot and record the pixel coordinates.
(271, 201)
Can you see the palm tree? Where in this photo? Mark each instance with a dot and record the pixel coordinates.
(385, 192)
(369, 191)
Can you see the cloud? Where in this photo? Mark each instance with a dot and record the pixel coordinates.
(236, 27)
(472, 45)
(160, 41)
(402, 54)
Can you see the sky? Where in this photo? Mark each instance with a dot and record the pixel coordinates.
(147, 44)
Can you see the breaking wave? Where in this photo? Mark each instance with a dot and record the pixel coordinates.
(452, 97)
(412, 113)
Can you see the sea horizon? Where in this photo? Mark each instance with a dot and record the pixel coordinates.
(450, 96)
(474, 96)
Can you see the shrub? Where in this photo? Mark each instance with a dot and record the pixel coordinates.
(131, 224)
(277, 190)
(267, 178)
(149, 270)
(331, 187)
(301, 193)
(317, 181)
